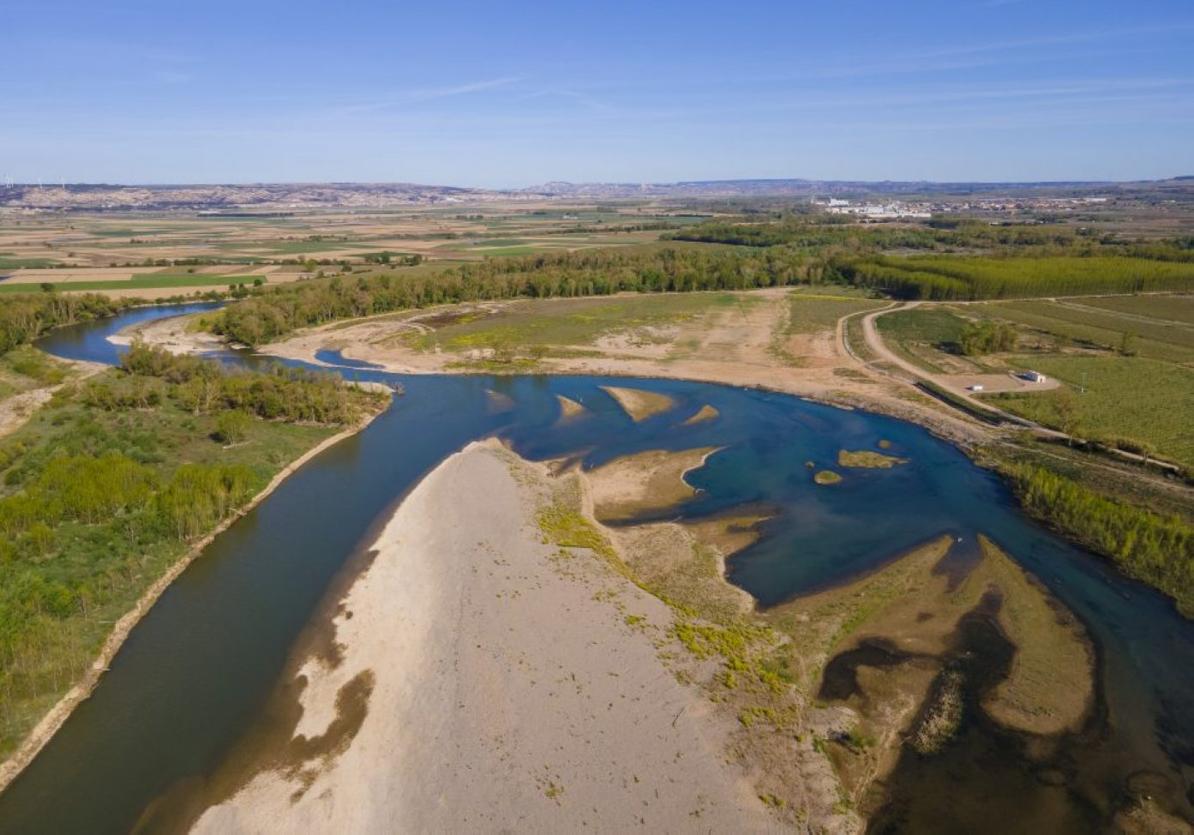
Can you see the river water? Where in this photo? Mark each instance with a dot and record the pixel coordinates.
(197, 670)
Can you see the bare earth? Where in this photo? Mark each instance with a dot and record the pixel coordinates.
(480, 680)
(172, 333)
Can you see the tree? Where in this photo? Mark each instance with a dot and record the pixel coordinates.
(232, 426)
(1127, 344)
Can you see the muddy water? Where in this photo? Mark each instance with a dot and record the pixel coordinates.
(196, 672)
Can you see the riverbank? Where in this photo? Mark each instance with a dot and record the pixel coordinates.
(520, 678)
(127, 617)
(753, 344)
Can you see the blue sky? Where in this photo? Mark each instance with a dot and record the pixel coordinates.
(513, 94)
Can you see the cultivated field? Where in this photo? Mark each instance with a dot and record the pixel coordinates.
(143, 253)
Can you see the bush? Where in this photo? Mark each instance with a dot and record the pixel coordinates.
(232, 426)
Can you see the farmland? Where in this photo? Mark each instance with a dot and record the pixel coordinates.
(1110, 397)
(139, 282)
(85, 249)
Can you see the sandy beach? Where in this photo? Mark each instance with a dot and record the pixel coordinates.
(474, 677)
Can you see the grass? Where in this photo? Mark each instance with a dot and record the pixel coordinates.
(809, 313)
(24, 368)
(928, 325)
(571, 322)
(568, 528)
(12, 263)
(867, 459)
(1168, 307)
(1065, 326)
(144, 281)
(922, 335)
(1123, 397)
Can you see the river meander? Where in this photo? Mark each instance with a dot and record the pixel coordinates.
(196, 671)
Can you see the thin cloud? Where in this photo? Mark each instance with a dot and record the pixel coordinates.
(432, 94)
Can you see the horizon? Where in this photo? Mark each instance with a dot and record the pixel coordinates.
(993, 91)
(581, 183)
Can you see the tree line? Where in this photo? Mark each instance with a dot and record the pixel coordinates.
(941, 234)
(965, 278)
(25, 317)
(1159, 550)
(269, 315)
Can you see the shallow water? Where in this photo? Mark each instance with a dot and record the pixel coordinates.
(197, 670)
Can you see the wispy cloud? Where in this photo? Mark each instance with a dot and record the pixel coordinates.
(409, 97)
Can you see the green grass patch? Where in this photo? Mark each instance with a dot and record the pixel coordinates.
(14, 263)
(868, 459)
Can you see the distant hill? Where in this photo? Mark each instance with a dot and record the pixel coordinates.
(277, 197)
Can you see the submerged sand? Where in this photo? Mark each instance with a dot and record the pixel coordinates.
(481, 679)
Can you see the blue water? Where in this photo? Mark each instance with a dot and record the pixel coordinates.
(197, 670)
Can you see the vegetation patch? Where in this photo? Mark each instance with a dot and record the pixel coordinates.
(868, 459)
(1154, 548)
(948, 277)
(108, 485)
(827, 477)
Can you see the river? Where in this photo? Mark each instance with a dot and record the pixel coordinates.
(197, 670)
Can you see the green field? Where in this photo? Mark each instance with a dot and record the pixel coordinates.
(144, 281)
(1124, 397)
(1171, 308)
(930, 325)
(1095, 329)
(499, 251)
(12, 263)
(499, 242)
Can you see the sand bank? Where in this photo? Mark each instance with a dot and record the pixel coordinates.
(479, 678)
(175, 334)
(706, 413)
(644, 482)
(640, 404)
(569, 408)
